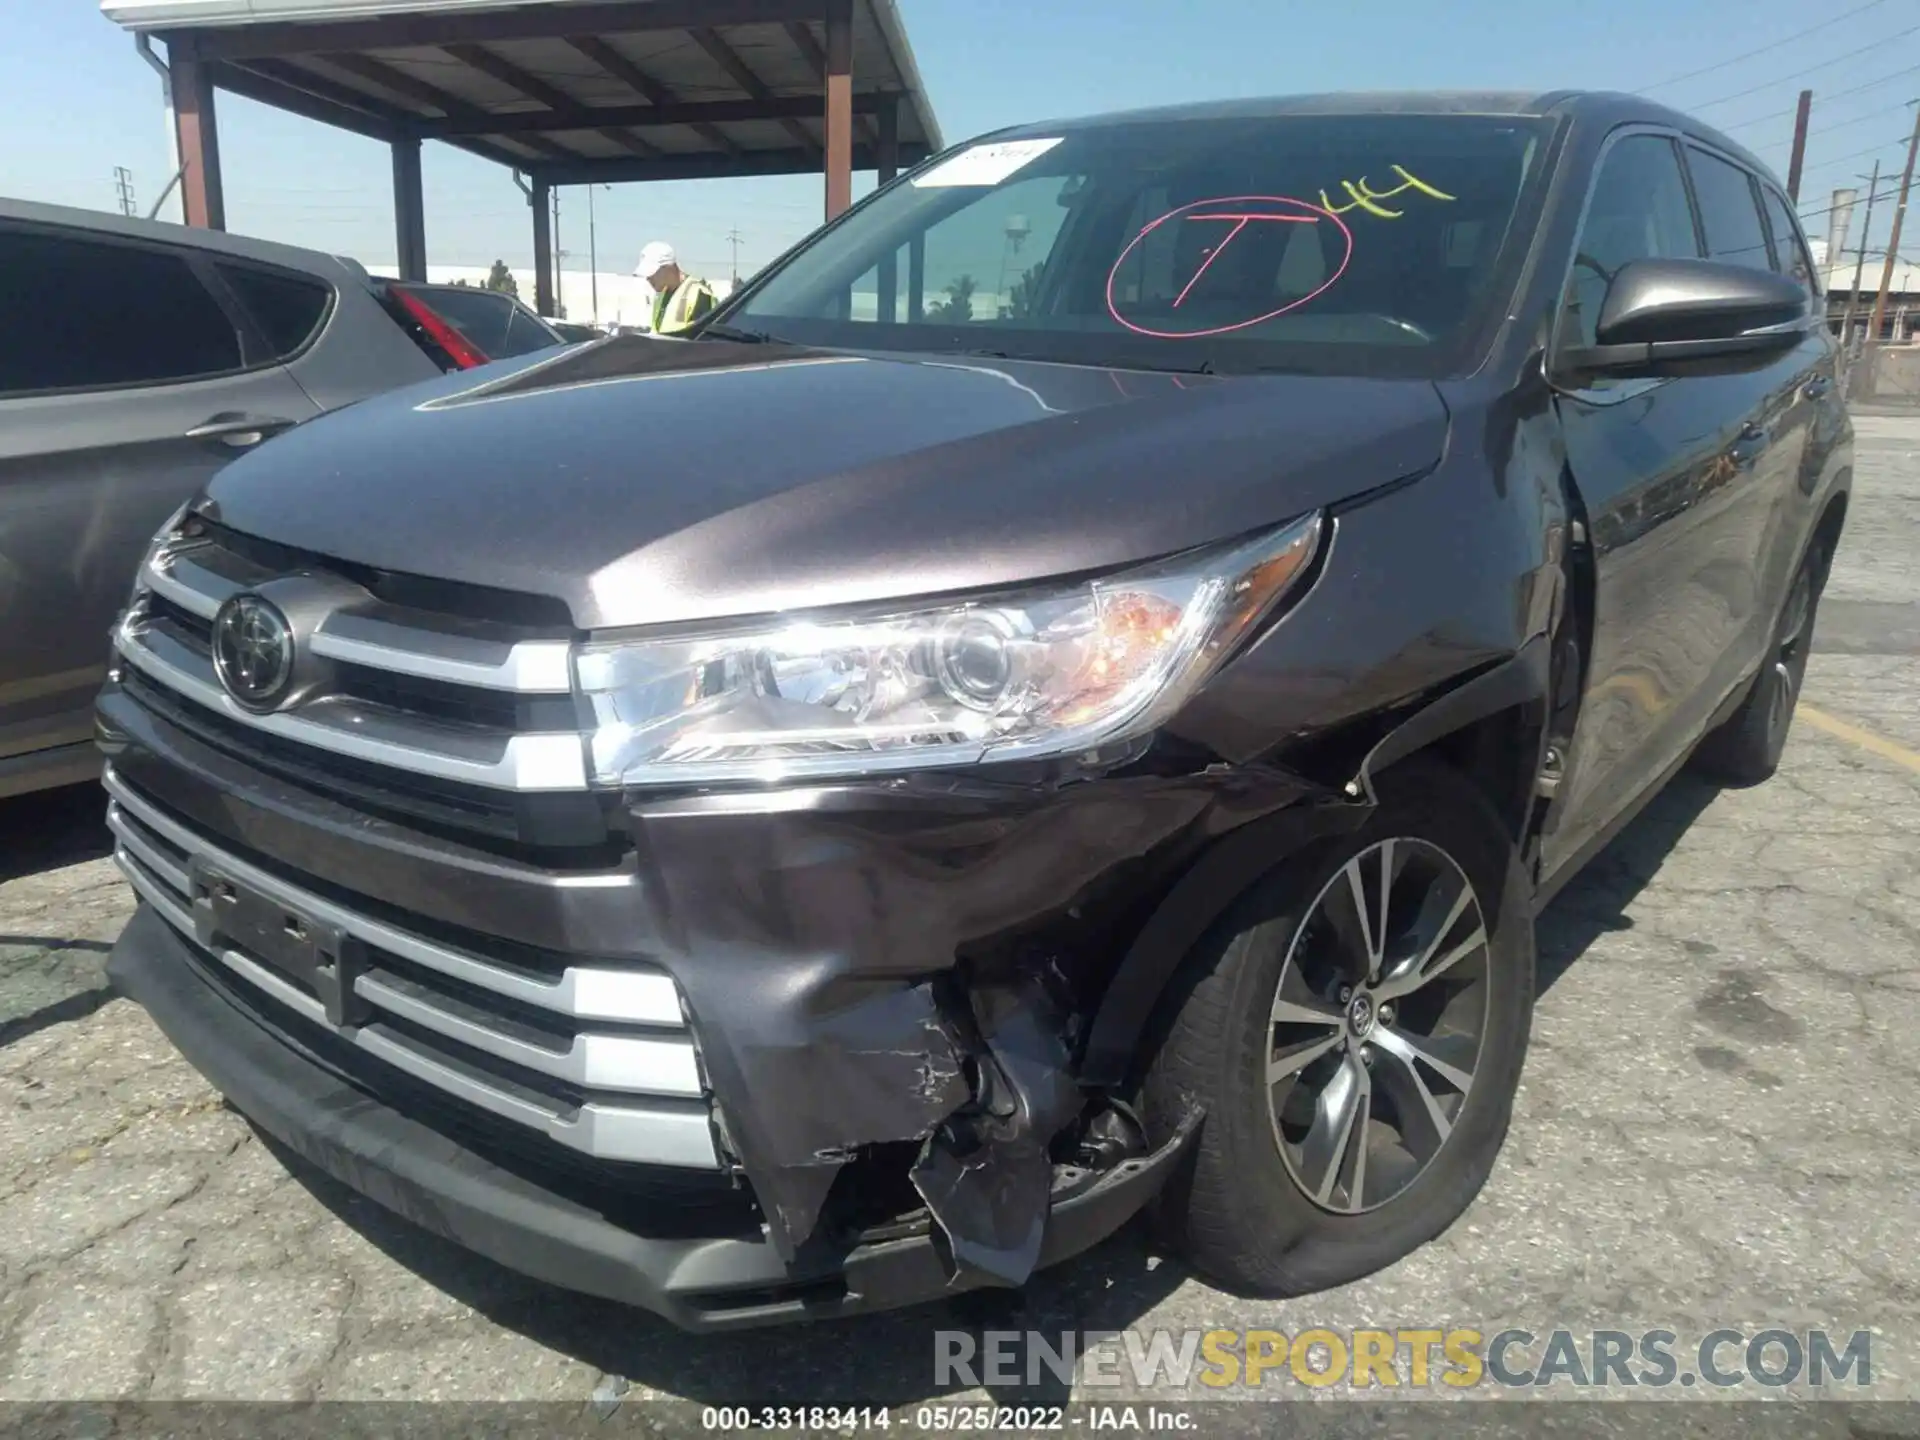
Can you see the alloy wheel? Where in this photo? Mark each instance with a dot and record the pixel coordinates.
(1377, 1024)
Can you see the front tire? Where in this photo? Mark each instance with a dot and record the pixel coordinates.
(1342, 1134)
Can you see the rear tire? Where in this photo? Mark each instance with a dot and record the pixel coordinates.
(1273, 1200)
(1746, 748)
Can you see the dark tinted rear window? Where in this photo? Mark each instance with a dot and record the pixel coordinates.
(489, 319)
(1728, 212)
(287, 308)
(105, 315)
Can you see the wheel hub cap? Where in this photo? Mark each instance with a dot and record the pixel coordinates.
(1360, 1016)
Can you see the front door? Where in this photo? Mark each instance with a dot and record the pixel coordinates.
(1680, 480)
(97, 448)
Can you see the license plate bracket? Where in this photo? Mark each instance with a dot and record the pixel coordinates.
(229, 914)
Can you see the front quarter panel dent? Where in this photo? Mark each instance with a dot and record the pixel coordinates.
(849, 964)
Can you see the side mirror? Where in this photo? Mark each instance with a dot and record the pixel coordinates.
(1691, 317)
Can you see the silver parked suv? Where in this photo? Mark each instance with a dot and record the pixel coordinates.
(136, 359)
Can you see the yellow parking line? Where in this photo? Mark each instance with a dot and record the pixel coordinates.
(1865, 739)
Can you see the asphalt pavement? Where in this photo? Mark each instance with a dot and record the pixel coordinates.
(1717, 1127)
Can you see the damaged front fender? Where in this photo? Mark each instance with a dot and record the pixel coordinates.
(862, 966)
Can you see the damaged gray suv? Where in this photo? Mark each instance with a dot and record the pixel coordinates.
(1064, 699)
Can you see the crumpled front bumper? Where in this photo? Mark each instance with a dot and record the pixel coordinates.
(886, 985)
(706, 1284)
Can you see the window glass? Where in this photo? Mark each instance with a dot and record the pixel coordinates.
(1727, 211)
(1790, 255)
(983, 264)
(480, 315)
(489, 319)
(1639, 211)
(287, 308)
(1349, 244)
(524, 333)
(104, 315)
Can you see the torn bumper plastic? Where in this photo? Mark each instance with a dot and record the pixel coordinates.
(888, 986)
(429, 1177)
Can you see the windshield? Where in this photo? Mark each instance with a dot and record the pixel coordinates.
(1349, 244)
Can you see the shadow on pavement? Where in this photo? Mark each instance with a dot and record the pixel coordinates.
(51, 828)
(885, 1360)
(73, 1007)
(1595, 901)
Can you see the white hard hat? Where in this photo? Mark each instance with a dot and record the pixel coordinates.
(653, 259)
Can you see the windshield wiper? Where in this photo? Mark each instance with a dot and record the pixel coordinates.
(1205, 367)
(729, 332)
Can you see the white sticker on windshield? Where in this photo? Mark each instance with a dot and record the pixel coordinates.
(987, 164)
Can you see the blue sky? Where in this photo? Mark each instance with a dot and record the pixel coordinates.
(75, 101)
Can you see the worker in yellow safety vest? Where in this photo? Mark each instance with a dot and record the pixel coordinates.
(679, 299)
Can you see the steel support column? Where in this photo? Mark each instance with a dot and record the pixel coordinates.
(543, 247)
(409, 209)
(887, 166)
(202, 198)
(917, 279)
(839, 116)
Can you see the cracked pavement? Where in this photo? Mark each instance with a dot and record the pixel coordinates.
(1717, 1125)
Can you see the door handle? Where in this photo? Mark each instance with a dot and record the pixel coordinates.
(1817, 387)
(1746, 449)
(241, 432)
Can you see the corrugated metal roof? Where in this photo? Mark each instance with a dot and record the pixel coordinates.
(666, 88)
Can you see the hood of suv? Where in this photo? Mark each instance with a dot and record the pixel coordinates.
(644, 482)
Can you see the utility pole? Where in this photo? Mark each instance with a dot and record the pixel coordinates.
(559, 290)
(1859, 265)
(733, 239)
(123, 186)
(1799, 155)
(1893, 241)
(593, 255)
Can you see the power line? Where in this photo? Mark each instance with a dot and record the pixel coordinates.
(1819, 129)
(1869, 85)
(1824, 64)
(1856, 154)
(1824, 96)
(1829, 97)
(1825, 24)
(1857, 200)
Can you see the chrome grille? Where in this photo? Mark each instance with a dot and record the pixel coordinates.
(430, 695)
(599, 1060)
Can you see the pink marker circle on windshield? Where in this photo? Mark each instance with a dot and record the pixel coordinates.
(1231, 215)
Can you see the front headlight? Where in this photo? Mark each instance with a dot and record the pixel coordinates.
(1045, 673)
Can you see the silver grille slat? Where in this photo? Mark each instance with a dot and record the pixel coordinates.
(677, 1135)
(635, 997)
(541, 762)
(527, 667)
(646, 1064)
(131, 841)
(199, 575)
(596, 1062)
(190, 586)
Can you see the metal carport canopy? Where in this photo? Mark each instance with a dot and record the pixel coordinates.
(571, 92)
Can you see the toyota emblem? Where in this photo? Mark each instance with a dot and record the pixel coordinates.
(252, 650)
